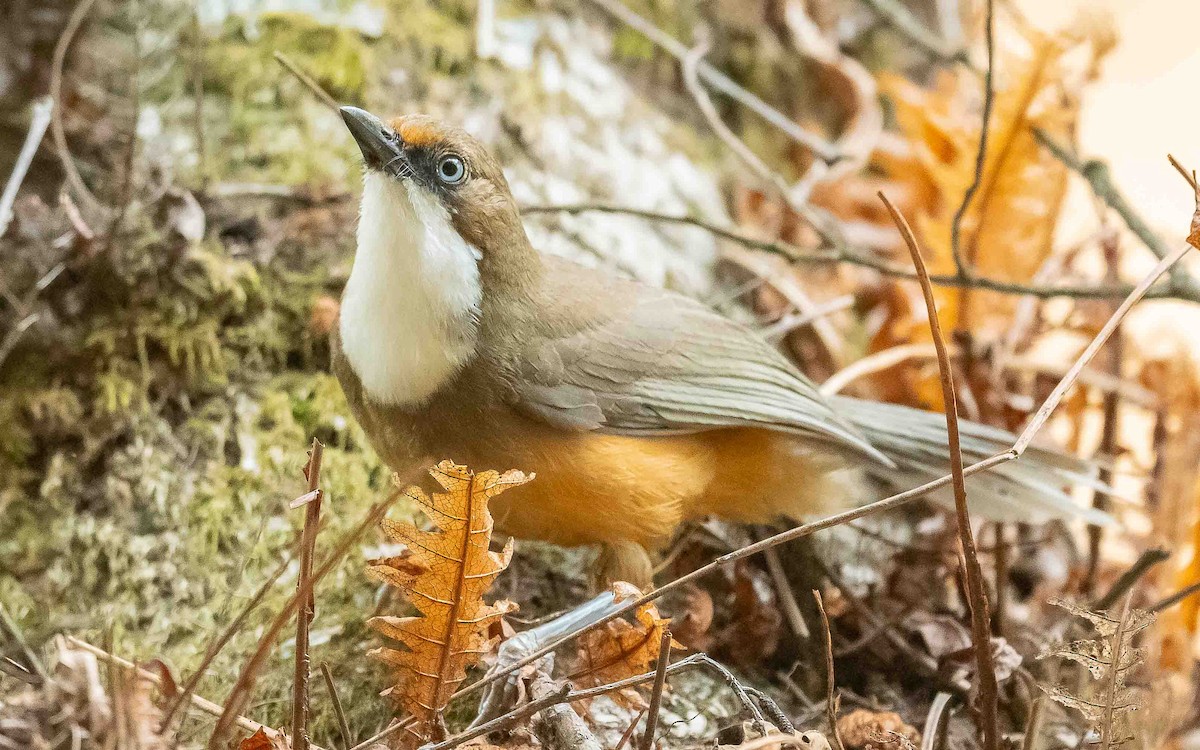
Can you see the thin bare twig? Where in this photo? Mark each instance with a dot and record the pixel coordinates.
(989, 96)
(976, 593)
(383, 734)
(1189, 176)
(308, 545)
(821, 147)
(1170, 601)
(1114, 675)
(1111, 420)
(56, 127)
(1099, 178)
(1068, 380)
(1147, 560)
(42, 110)
(309, 82)
(899, 18)
(14, 630)
(1000, 578)
(877, 362)
(628, 733)
(831, 697)
(787, 599)
(1033, 725)
(331, 688)
(656, 692)
(862, 258)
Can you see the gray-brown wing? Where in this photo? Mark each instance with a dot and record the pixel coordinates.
(665, 365)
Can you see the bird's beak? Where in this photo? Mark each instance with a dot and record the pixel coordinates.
(380, 145)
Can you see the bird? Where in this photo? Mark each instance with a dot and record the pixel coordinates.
(636, 408)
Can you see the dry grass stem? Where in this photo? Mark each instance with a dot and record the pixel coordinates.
(1099, 179)
(981, 619)
(1068, 380)
(75, 21)
(989, 97)
(831, 697)
(42, 111)
(1183, 172)
(787, 598)
(309, 82)
(331, 688)
(308, 546)
(1114, 677)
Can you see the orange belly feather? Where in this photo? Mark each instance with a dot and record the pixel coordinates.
(608, 489)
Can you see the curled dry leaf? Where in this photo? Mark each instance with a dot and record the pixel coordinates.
(620, 648)
(445, 577)
(876, 730)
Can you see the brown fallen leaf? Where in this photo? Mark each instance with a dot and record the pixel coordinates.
(621, 648)
(260, 740)
(757, 623)
(445, 577)
(876, 730)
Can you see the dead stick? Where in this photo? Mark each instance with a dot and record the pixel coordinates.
(989, 96)
(308, 545)
(864, 259)
(787, 599)
(1173, 599)
(56, 127)
(656, 693)
(628, 733)
(343, 726)
(1147, 560)
(831, 699)
(1190, 177)
(308, 81)
(981, 619)
(1099, 179)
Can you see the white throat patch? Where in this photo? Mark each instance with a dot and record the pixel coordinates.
(409, 312)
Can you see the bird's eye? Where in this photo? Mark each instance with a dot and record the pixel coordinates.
(451, 170)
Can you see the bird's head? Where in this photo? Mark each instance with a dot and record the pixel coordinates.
(442, 254)
(420, 158)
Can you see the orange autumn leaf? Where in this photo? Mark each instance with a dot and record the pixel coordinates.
(621, 648)
(445, 577)
(260, 740)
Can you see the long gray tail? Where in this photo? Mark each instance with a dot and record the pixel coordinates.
(1033, 488)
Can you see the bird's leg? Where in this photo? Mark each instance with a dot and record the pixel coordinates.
(624, 561)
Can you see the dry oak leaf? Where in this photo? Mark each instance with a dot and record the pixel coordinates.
(871, 730)
(445, 577)
(621, 648)
(260, 740)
